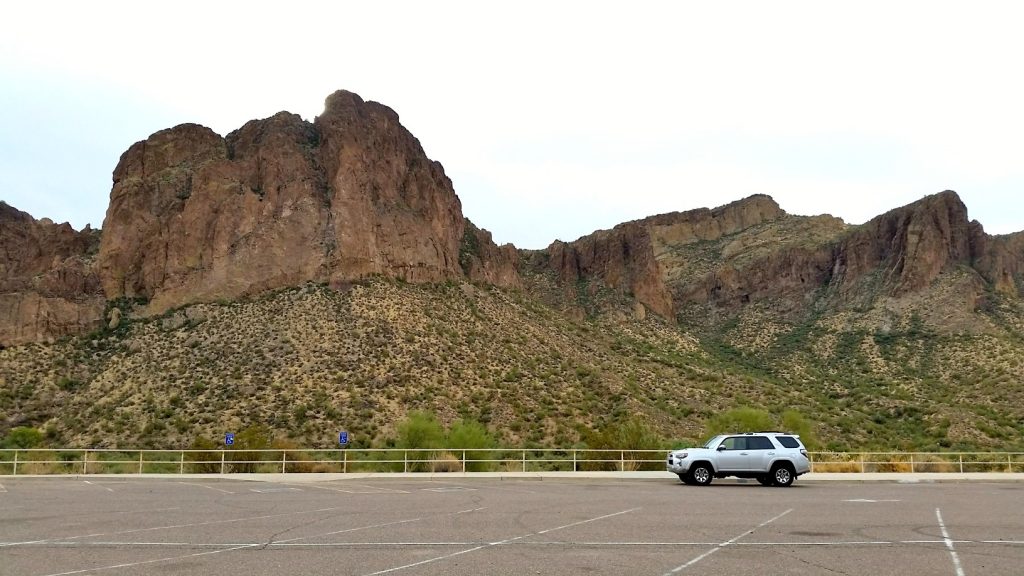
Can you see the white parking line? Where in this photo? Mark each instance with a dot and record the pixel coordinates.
(369, 489)
(205, 486)
(724, 544)
(291, 540)
(545, 543)
(173, 526)
(104, 487)
(131, 564)
(474, 549)
(949, 544)
(274, 490)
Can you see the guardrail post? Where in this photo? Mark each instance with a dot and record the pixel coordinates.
(344, 462)
(862, 469)
(405, 458)
(524, 460)
(85, 461)
(961, 463)
(15, 463)
(222, 461)
(622, 461)
(181, 467)
(140, 461)
(284, 456)
(463, 461)
(573, 460)
(911, 463)
(1009, 463)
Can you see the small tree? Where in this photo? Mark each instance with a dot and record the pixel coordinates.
(629, 436)
(257, 437)
(23, 437)
(205, 462)
(743, 419)
(465, 434)
(793, 421)
(420, 431)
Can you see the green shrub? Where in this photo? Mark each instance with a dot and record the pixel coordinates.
(23, 437)
(466, 434)
(419, 431)
(740, 420)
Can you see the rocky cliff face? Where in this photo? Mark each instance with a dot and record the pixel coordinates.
(636, 257)
(48, 287)
(194, 216)
(281, 201)
(751, 251)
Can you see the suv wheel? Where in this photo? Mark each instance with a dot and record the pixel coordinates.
(701, 475)
(782, 475)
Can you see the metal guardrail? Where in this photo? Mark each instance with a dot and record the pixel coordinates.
(225, 461)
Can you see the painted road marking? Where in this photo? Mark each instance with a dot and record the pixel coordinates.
(104, 487)
(175, 526)
(205, 486)
(870, 501)
(274, 490)
(290, 540)
(949, 544)
(450, 489)
(488, 545)
(545, 543)
(724, 544)
(2, 489)
(131, 564)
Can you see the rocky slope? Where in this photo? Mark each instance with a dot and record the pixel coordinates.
(48, 285)
(752, 251)
(907, 328)
(197, 217)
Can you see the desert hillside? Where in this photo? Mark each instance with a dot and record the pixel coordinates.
(316, 276)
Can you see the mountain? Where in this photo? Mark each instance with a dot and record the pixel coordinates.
(314, 275)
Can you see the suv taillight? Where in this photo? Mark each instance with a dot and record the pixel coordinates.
(804, 452)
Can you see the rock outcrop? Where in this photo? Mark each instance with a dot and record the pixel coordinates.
(195, 216)
(48, 287)
(632, 257)
(485, 262)
(751, 251)
(281, 201)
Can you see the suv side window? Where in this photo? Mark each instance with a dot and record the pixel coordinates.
(788, 441)
(759, 443)
(735, 443)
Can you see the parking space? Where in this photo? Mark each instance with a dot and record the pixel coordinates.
(63, 526)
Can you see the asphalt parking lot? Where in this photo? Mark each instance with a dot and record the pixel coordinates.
(225, 526)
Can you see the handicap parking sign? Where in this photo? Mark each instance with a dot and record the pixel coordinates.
(229, 439)
(343, 438)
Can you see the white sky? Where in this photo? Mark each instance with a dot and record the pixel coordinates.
(553, 119)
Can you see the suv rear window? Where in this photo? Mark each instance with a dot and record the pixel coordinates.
(788, 441)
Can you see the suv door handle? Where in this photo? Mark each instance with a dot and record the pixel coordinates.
(744, 454)
(771, 453)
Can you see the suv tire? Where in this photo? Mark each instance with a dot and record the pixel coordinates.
(701, 474)
(782, 475)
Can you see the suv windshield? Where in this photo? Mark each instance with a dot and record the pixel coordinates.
(714, 441)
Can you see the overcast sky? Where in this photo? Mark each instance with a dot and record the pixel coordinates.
(553, 119)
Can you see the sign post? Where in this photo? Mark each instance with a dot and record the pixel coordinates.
(342, 441)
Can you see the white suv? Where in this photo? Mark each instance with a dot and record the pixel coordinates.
(773, 458)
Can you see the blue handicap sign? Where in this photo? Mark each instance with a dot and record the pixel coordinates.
(229, 439)
(343, 438)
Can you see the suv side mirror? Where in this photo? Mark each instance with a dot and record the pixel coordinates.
(721, 447)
